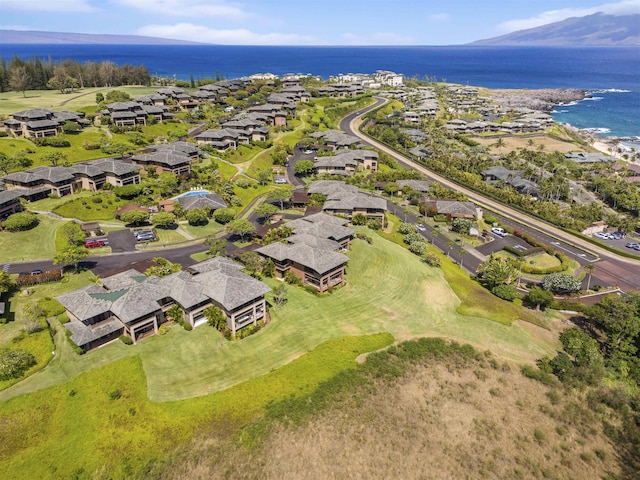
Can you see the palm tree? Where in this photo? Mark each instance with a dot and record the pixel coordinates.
(462, 252)
(499, 144)
(590, 267)
(434, 232)
(449, 245)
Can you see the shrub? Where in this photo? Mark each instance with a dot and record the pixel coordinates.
(96, 199)
(52, 142)
(419, 248)
(21, 221)
(164, 328)
(14, 363)
(505, 292)
(413, 237)
(187, 326)
(128, 191)
(560, 283)
(406, 228)
(291, 279)
(126, 340)
(431, 260)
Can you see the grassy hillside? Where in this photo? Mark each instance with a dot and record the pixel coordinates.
(425, 410)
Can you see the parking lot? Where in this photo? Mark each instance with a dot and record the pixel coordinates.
(620, 242)
(122, 241)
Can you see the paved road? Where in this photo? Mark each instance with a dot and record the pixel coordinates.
(610, 269)
(298, 154)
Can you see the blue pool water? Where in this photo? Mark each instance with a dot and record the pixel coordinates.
(193, 193)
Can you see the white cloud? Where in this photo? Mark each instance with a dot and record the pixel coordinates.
(241, 36)
(49, 5)
(625, 7)
(439, 17)
(381, 38)
(188, 8)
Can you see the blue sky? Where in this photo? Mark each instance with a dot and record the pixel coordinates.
(301, 22)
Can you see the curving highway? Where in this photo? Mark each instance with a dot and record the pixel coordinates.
(611, 269)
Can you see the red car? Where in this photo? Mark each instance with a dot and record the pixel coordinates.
(94, 243)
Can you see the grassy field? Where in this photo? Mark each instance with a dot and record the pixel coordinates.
(103, 423)
(411, 300)
(37, 243)
(11, 102)
(99, 206)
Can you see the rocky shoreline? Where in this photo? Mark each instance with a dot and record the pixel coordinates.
(543, 99)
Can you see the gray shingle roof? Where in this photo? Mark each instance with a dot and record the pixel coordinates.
(210, 200)
(82, 334)
(319, 260)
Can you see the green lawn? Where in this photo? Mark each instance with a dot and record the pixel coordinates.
(35, 244)
(104, 421)
(202, 231)
(166, 236)
(242, 154)
(86, 209)
(408, 299)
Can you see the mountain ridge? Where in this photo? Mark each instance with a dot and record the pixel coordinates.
(39, 37)
(597, 29)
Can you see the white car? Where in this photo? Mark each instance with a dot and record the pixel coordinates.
(420, 227)
(308, 152)
(499, 231)
(604, 236)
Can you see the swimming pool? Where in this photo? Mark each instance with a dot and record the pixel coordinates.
(193, 193)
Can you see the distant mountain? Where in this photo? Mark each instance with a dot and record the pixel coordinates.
(23, 36)
(597, 30)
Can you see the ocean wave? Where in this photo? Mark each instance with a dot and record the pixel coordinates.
(559, 111)
(600, 130)
(568, 104)
(611, 90)
(593, 98)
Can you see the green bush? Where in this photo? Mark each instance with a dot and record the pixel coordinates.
(126, 340)
(187, 326)
(21, 221)
(164, 328)
(224, 215)
(505, 292)
(128, 191)
(14, 363)
(52, 142)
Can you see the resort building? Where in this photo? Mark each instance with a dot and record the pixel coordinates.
(40, 122)
(347, 162)
(135, 305)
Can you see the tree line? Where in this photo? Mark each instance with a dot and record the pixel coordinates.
(36, 73)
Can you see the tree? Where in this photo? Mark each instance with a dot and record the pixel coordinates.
(359, 219)
(252, 262)
(6, 283)
(241, 227)
(497, 271)
(224, 215)
(461, 225)
(266, 211)
(263, 176)
(539, 297)
(71, 255)
(21, 221)
(279, 153)
(216, 246)
(135, 217)
(215, 317)
(168, 182)
(277, 234)
(14, 363)
(54, 158)
(197, 216)
(581, 347)
(560, 283)
(19, 79)
(280, 295)
(391, 188)
(304, 167)
(164, 219)
(6, 163)
(419, 248)
(619, 318)
(117, 96)
(499, 144)
(279, 195)
(162, 268)
(99, 98)
(73, 233)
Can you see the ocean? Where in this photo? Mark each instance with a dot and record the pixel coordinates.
(613, 74)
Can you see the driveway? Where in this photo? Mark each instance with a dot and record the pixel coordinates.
(122, 241)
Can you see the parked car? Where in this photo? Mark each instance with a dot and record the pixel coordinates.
(308, 152)
(420, 227)
(93, 243)
(36, 272)
(499, 231)
(280, 181)
(632, 245)
(602, 235)
(143, 233)
(145, 237)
